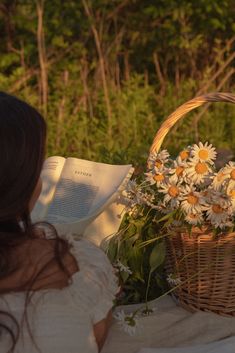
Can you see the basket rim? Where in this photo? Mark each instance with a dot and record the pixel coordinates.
(182, 110)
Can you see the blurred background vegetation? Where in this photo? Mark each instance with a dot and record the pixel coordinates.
(106, 73)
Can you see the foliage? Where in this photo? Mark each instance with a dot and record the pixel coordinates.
(140, 59)
(138, 253)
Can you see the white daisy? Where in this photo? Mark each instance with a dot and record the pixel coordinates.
(191, 200)
(136, 196)
(218, 197)
(132, 187)
(157, 176)
(148, 198)
(172, 191)
(210, 194)
(132, 211)
(230, 184)
(185, 154)
(219, 208)
(173, 280)
(122, 268)
(194, 219)
(178, 170)
(219, 179)
(203, 152)
(158, 159)
(231, 194)
(218, 215)
(229, 170)
(127, 322)
(223, 224)
(198, 171)
(144, 198)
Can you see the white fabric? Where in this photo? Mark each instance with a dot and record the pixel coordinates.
(62, 320)
(223, 346)
(171, 328)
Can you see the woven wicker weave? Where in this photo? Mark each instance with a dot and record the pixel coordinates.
(204, 264)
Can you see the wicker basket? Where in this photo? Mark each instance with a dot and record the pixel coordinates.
(204, 264)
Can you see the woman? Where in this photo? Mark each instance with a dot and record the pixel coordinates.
(55, 295)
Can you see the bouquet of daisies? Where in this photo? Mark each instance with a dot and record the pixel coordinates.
(183, 192)
(188, 187)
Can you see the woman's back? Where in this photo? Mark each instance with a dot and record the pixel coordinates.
(62, 320)
(34, 258)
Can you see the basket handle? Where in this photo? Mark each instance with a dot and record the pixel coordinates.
(183, 110)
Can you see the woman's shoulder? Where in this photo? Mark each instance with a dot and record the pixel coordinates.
(87, 253)
(86, 299)
(95, 284)
(91, 259)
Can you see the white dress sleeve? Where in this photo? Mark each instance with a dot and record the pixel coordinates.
(95, 284)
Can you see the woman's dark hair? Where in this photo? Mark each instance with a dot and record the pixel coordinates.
(22, 151)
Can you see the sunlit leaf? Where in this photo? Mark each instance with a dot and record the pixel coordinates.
(157, 256)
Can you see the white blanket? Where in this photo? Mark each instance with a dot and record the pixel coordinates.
(224, 346)
(170, 326)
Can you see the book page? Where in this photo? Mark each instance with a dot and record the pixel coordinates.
(50, 175)
(107, 223)
(84, 189)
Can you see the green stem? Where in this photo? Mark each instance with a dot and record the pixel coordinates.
(147, 214)
(147, 289)
(150, 241)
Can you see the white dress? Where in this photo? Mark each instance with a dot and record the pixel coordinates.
(61, 320)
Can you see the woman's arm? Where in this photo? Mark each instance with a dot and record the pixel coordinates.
(101, 330)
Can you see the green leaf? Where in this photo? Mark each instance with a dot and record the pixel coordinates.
(124, 276)
(112, 250)
(166, 217)
(138, 277)
(135, 259)
(157, 256)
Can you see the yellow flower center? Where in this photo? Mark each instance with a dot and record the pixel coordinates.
(173, 191)
(232, 174)
(220, 176)
(158, 163)
(203, 154)
(179, 170)
(192, 199)
(201, 168)
(192, 216)
(184, 154)
(158, 177)
(232, 194)
(217, 208)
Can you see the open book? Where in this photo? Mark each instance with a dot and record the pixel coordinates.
(76, 191)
